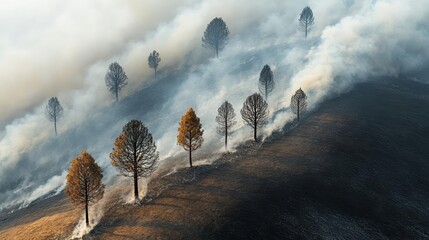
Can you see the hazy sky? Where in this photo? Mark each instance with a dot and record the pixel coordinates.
(52, 48)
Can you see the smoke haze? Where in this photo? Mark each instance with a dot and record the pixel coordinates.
(52, 49)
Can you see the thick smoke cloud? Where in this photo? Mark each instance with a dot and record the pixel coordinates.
(61, 54)
(47, 46)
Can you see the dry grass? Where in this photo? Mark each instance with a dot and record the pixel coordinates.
(55, 226)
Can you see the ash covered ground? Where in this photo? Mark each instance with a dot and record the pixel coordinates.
(356, 168)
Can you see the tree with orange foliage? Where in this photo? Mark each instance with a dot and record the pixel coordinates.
(190, 135)
(134, 154)
(84, 184)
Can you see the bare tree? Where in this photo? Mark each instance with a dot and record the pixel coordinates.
(255, 113)
(54, 111)
(298, 102)
(216, 35)
(154, 60)
(115, 79)
(266, 81)
(84, 184)
(134, 154)
(226, 120)
(306, 20)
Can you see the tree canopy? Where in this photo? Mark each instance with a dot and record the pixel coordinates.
(298, 102)
(266, 81)
(54, 111)
(216, 35)
(306, 20)
(134, 153)
(190, 133)
(115, 79)
(153, 60)
(225, 120)
(84, 184)
(255, 112)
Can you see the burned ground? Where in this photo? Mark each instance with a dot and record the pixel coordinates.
(355, 168)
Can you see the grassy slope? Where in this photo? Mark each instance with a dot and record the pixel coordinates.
(355, 169)
(52, 218)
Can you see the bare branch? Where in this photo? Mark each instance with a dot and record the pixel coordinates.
(266, 81)
(306, 20)
(254, 112)
(298, 102)
(54, 111)
(115, 79)
(134, 154)
(225, 120)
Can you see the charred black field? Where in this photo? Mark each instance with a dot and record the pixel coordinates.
(355, 168)
(361, 172)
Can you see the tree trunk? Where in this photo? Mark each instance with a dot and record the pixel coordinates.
(306, 29)
(298, 111)
(226, 140)
(86, 214)
(136, 187)
(190, 157)
(55, 126)
(190, 148)
(226, 134)
(86, 205)
(266, 91)
(116, 93)
(255, 123)
(155, 74)
(217, 51)
(255, 134)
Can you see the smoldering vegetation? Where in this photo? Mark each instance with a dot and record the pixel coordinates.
(350, 42)
(354, 169)
(364, 179)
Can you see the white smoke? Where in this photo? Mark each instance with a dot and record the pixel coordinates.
(48, 46)
(117, 194)
(352, 41)
(95, 214)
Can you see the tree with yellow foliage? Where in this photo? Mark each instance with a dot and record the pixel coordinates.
(134, 154)
(190, 135)
(84, 184)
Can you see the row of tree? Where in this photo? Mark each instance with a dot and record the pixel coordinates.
(134, 153)
(214, 37)
(115, 80)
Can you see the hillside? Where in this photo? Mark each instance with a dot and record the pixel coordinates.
(356, 168)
